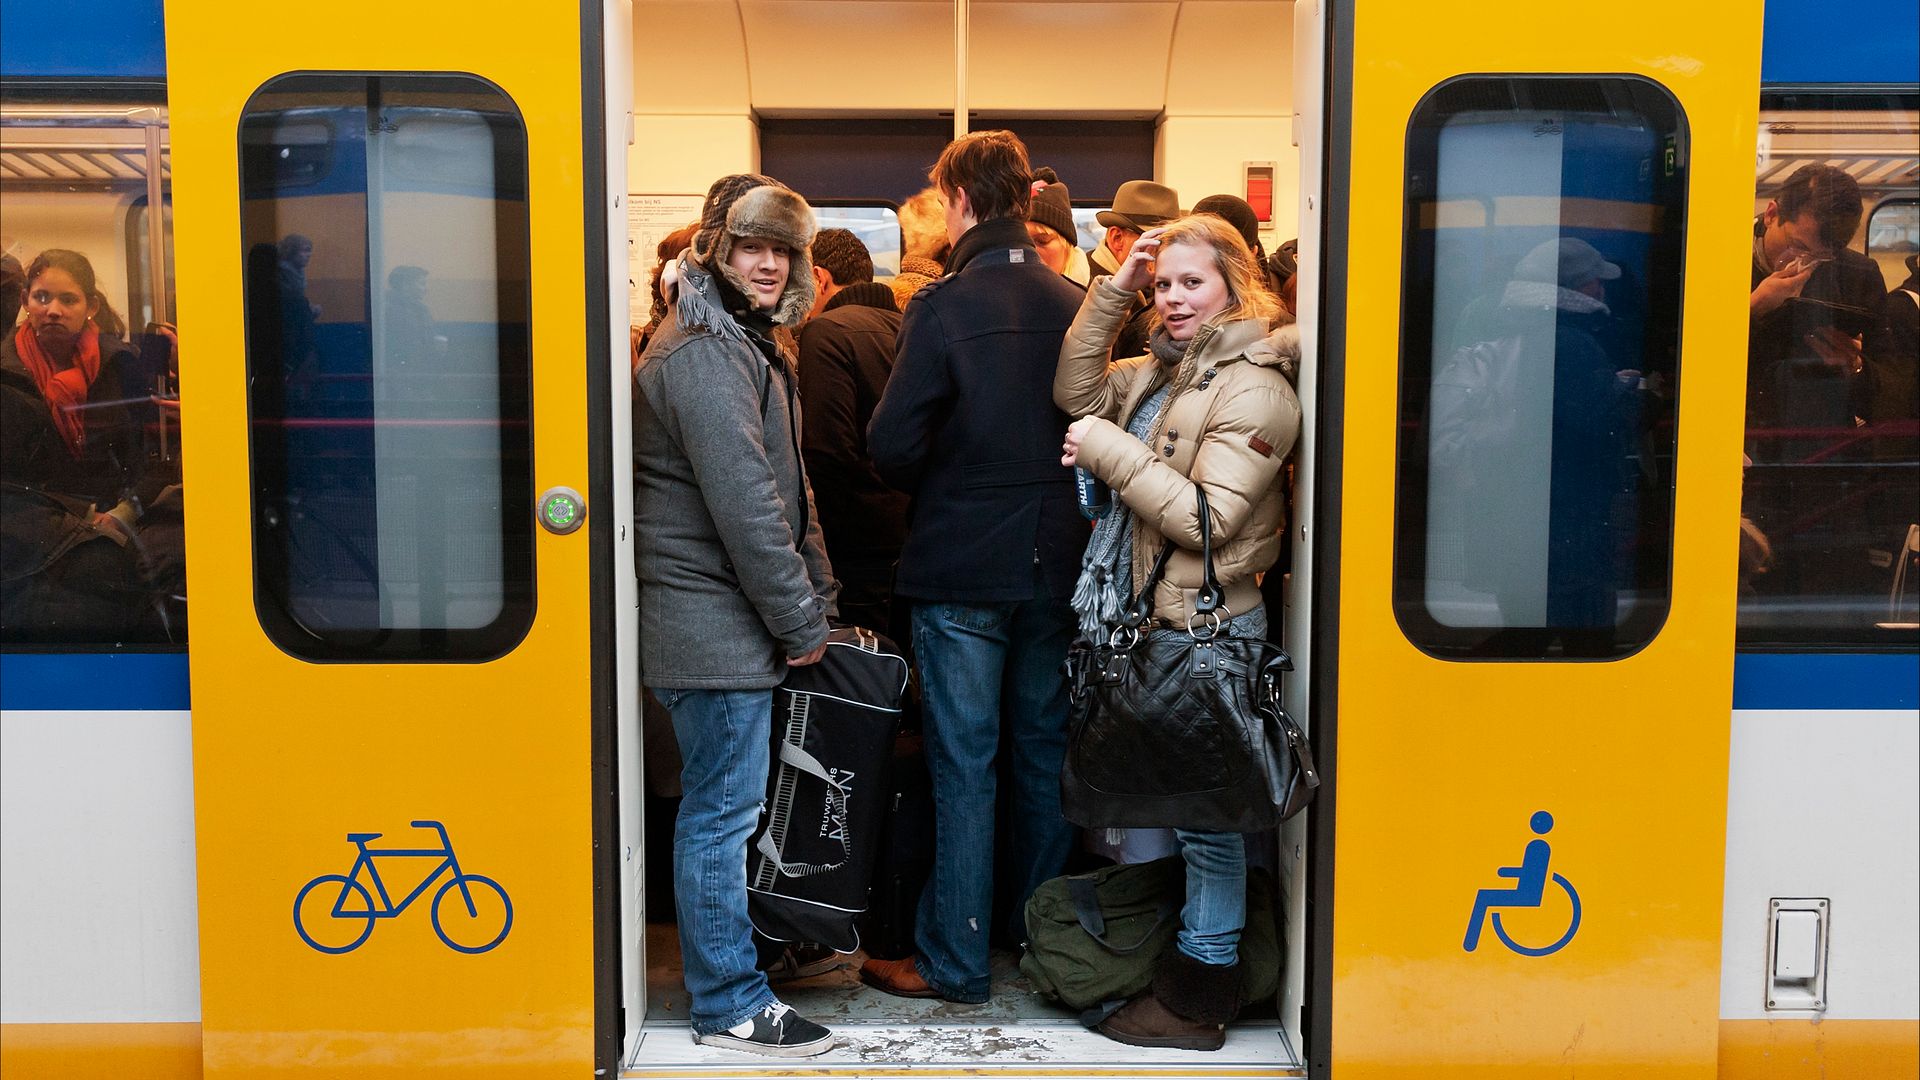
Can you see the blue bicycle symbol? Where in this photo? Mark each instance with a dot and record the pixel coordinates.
(1530, 887)
(352, 911)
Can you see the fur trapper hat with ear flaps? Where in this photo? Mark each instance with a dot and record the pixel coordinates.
(748, 204)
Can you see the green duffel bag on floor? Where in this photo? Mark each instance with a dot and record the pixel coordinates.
(1093, 939)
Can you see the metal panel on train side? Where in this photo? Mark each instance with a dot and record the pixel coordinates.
(290, 756)
(1443, 762)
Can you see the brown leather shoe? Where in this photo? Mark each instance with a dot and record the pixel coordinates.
(1144, 1021)
(901, 978)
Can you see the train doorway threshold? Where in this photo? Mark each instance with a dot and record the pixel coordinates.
(1016, 1034)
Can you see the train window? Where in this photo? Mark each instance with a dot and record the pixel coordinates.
(384, 228)
(92, 552)
(1829, 537)
(876, 224)
(1893, 233)
(1538, 366)
(141, 302)
(1092, 233)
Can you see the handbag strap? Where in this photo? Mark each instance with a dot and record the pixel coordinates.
(1207, 600)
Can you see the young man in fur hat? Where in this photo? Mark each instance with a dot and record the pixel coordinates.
(734, 580)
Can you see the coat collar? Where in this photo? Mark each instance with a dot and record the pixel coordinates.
(997, 233)
(863, 294)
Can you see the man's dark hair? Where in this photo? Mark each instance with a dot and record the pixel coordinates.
(1830, 195)
(840, 253)
(991, 167)
(13, 287)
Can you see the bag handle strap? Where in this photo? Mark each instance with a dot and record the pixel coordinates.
(1207, 600)
(799, 759)
(1086, 909)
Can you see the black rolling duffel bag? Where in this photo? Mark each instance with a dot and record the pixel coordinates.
(810, 862)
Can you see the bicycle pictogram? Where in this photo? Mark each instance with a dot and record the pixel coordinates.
(349, 911)
(1529, 891)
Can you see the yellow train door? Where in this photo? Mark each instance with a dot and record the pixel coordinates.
(391, 254)
(1534, 337)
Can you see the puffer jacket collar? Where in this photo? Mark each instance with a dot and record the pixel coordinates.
(1215, 346)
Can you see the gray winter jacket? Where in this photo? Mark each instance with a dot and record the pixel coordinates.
(733, 575)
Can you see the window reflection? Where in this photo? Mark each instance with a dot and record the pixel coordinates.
(1539, 364)
(1833, 420)
(92, 538)
(386, 232)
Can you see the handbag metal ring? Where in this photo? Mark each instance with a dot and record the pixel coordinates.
(1212, 628)
(1124, 637)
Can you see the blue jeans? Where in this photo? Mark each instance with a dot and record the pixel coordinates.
(724, 737)
(1216, 908)
(983, 666)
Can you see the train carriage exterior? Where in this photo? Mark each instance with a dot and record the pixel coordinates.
(412, 616)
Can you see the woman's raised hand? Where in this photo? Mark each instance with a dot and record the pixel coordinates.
(1137, 272)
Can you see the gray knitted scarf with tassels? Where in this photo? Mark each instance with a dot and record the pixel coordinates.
(1106, 570)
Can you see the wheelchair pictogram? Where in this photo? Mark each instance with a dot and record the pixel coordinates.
(1529, 891)
(340, 917)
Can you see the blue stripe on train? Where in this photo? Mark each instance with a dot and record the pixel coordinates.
(101, 39)
(1807, 681)
(93, 682)
(1863, 41)
(135, 681)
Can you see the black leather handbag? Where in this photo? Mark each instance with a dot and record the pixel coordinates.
(1181, 727)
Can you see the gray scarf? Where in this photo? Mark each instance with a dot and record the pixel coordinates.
(1106, 570)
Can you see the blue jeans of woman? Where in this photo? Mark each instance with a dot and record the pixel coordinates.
(724, 737)
(1216, 908)
(983, 666)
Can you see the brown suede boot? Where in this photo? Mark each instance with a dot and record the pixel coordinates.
(1187, 1007)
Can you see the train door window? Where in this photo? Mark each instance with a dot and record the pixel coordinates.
(142, 305)
(385, 233)
(876, 224)
(1829, 534)
(1539, 363)
(92, 552)
(1893, 233)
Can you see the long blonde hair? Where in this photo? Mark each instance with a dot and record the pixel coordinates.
(1247, 293)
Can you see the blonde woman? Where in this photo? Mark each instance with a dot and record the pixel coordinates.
(1211, 404)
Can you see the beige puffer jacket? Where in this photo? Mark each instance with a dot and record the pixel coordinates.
(1229, 422)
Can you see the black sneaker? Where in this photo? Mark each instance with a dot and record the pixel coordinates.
(776, 1031)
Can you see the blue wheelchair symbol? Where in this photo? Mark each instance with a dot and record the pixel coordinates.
(343, 910)
(1529, 890)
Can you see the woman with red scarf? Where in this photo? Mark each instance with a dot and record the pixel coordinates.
(71, 457)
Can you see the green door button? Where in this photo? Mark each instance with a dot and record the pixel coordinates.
(562, 510)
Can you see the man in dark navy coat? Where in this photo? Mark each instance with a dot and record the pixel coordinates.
(968, 427)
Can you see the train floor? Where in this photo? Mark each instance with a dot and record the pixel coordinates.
(1016, 1033)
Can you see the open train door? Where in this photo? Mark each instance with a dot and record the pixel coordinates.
(1533, 370)
(393, 278)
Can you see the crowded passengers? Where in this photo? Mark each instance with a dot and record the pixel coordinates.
(909, 467)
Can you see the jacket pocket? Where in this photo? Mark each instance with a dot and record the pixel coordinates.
(1022, 473)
